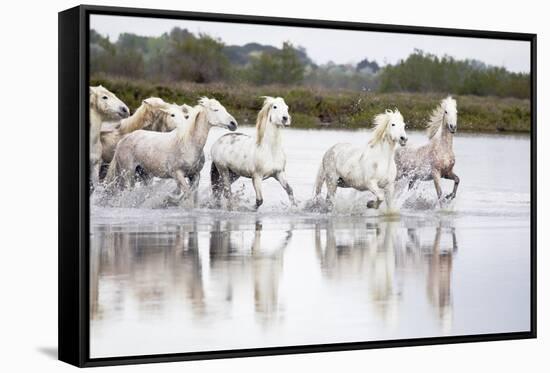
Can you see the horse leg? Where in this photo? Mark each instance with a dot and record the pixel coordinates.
(226, 185)
(437, 183)
(194, 181)
(452, 176)
(389, 192)
(94, 169)
(183, 186)
(257, 183)
(281, 178)
(332, 186)
(373, 187)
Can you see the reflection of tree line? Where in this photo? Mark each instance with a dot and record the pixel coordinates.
(163, 267)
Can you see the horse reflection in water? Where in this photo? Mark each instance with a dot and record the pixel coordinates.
(377, 253)
(237, 265)
(439, 262)
(224, 270)
(152, 270)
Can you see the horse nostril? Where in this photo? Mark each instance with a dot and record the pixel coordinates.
(123, 109)
(403, 138)
(285, 118)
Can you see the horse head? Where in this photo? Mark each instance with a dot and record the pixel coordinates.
(277, 111)
(448, 107)
(217, 115)
(173, 116)
(107, 104)
(389, 125)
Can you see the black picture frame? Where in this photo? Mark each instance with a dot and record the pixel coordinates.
(73, 191)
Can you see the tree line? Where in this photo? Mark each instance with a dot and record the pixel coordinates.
(183, 56)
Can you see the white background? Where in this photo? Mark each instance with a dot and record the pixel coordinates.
(28, 185)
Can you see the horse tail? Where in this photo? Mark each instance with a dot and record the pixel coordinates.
(319, 180)
(215, 181)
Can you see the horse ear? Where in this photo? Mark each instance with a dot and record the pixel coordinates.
(203, 101)
(145, 102)
(186, 108)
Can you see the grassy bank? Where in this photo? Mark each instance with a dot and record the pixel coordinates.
(321, 108)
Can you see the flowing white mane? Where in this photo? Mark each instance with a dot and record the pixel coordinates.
(436, 118)
(381, 124)
(261, 121)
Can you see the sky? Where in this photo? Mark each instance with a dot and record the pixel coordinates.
(324, 45)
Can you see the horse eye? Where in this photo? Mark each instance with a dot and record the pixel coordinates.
(274, 107)
(445, 111)
(393, 124)
(172, 115)
(104, 97)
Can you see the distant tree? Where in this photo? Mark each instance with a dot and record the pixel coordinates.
(199, 59)
(279, 67)
(368, 66)
(421, 72)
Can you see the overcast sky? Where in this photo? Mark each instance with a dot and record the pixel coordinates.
(324, 45)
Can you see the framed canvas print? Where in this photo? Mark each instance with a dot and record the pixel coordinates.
(235, 186)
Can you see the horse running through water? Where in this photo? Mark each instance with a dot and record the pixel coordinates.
(177, 154)
(104, 106)
(236, 154)
(370, 168)
(149, 116)
(436, 159)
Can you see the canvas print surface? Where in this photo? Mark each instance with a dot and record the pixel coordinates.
(262, 186)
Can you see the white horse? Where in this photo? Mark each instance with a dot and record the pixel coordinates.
(104, 106)
(371, 168)
(436, 159)
(235, 155)
(177, 154)
(149, 116)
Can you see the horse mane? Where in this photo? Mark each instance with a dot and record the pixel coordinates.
(137, 120)
(261, 121)
(381, 122)
(436, 118)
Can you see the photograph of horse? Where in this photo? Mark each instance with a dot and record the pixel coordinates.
(237, 155)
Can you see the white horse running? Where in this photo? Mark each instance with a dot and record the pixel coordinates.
(177, 154)
(104, 106)
(436, 159)
(371, 168)
(149, 116)
(235, 155)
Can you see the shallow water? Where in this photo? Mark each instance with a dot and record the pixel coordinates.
(174, 280)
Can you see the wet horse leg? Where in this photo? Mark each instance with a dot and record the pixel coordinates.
(194, 187)
(183, 186)
(452, 176)
(373, 187)
(281, 178)
(437, 183)
(332, 186)
(257, 183)
(389, 192)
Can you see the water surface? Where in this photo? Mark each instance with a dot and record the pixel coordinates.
(177, 280)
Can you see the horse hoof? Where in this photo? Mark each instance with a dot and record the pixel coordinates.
(372, 205)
